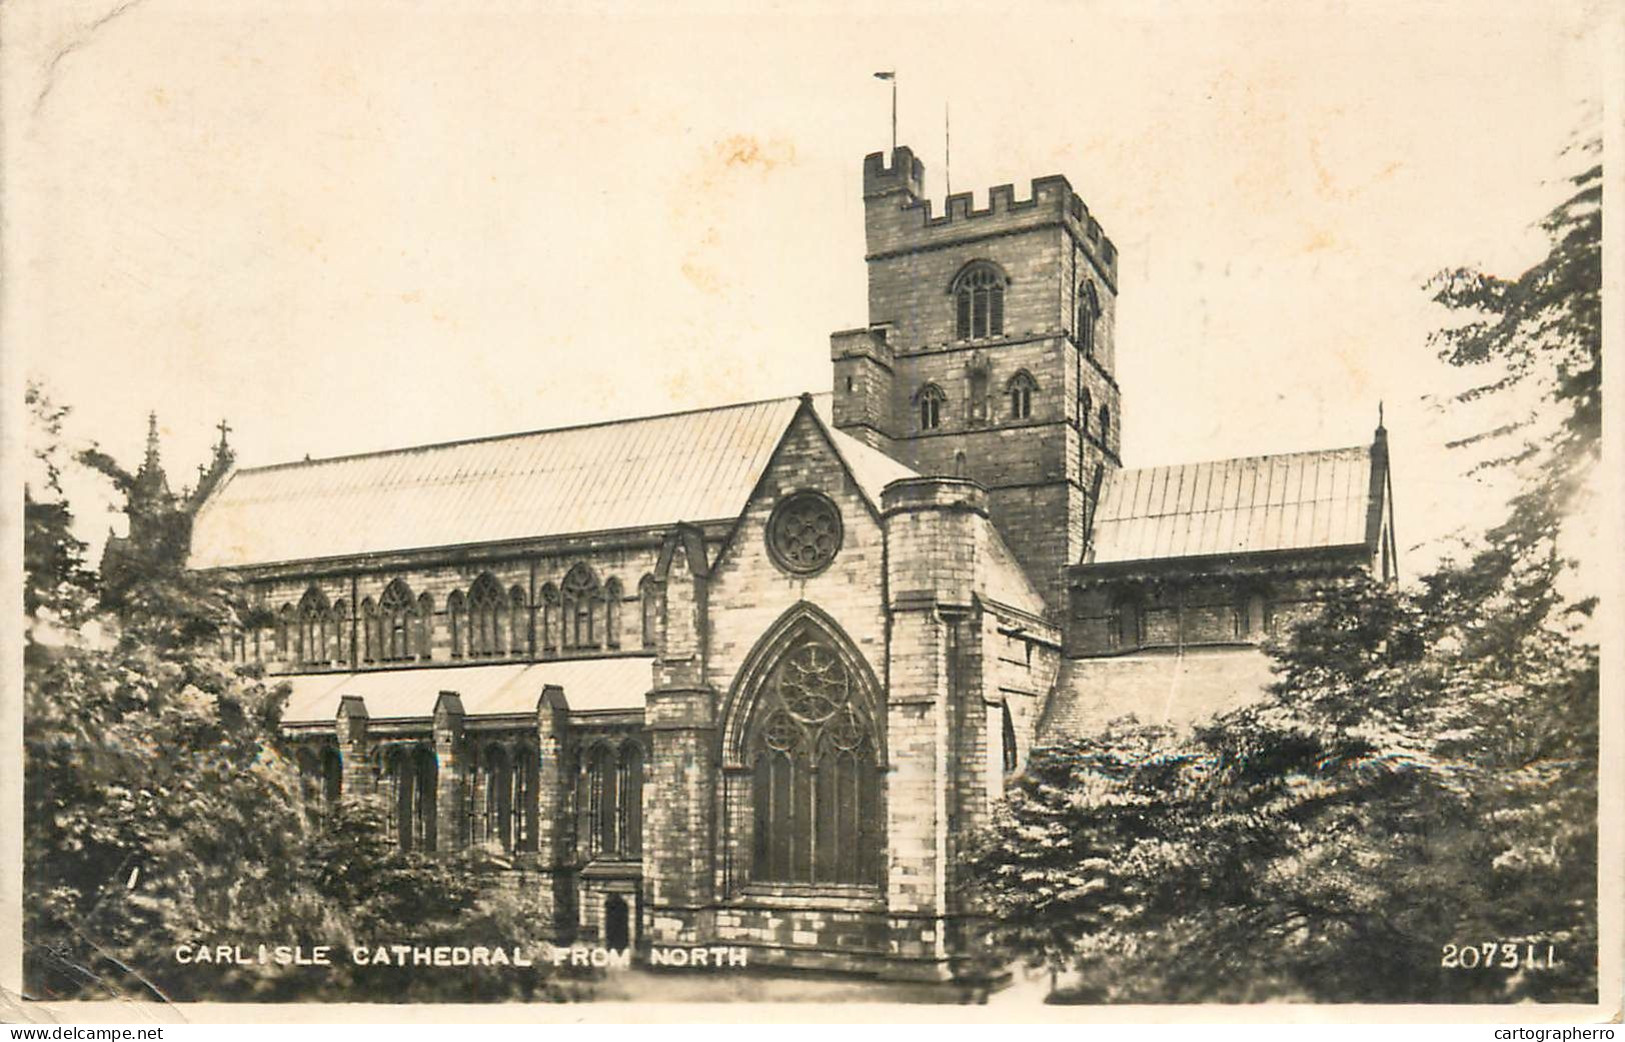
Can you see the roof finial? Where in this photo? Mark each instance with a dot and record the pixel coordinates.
(152, 440)
(224, 428)
(1379, 414)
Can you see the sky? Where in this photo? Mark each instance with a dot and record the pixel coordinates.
(354, 227)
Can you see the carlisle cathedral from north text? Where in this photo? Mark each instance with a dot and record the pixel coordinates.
(751, 675)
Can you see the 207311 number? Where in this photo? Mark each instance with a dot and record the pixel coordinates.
(1498, 955)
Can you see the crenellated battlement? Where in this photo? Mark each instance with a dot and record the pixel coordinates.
(897, 225)
(906, 173)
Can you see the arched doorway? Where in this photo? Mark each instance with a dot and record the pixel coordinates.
(617, 923)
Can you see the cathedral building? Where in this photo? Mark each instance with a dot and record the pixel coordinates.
(752, 675)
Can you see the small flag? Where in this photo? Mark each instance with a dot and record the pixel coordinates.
(884, 75)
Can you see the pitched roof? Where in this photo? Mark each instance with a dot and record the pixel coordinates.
(590, 685)
(1155, 687)
(692, 466)
(1295, 501)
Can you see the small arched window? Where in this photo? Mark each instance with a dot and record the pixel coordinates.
(930, 400)
(487, 616)
(423, 640)
(612, 613)
(1012, 755)
(581, 599)
(1105, 424)
(649, 609)
(550, 619)
(395, 622)
(311, 639)
(518, 621)
(457, 620)
(1085, 406)
(1020, 390)
(285, 632)
(1088, 314)
(978, 292)
(369, 631)
(339, 622)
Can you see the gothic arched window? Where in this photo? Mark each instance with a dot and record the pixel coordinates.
(518, 621)
(581, 598)
(603, 802)
(411, 772)
(978, 292)
(339, 619)
(1085, 405)
(930, 401)
(423, 637)
(1088, 313)
(487, 616)
(1105, 424)
(815, 782)
(612, 613)
(369, 631)
(395, 622)
(550, 618)
(649, 610)
(1007, 731)
(1020, 390)
(287, 633)
(629, 817)
(311, 640)
(457, 619)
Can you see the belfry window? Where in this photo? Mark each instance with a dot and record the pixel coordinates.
(1088, 313)
(815, 781)
(978, 293)
(1020, 390)
(930, 400)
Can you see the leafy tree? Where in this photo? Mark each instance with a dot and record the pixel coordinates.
(162, 805)
(1422, 772)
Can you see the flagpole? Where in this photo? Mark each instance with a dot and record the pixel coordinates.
(947, 152)
(891, 76)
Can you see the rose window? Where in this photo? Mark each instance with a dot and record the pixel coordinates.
(804, 532)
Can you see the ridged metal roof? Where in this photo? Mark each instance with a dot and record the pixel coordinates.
(692, 466)
(605, 684)
(1297, 501)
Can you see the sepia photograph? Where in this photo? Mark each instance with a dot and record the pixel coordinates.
(1048, 508)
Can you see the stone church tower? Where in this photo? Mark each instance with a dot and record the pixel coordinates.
(989, 352)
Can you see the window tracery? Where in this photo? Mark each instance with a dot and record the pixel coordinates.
(804, 532)
(815, 773)
(1020, 389)
(978, 293)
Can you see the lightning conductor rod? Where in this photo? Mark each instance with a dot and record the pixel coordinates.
(947, 152)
